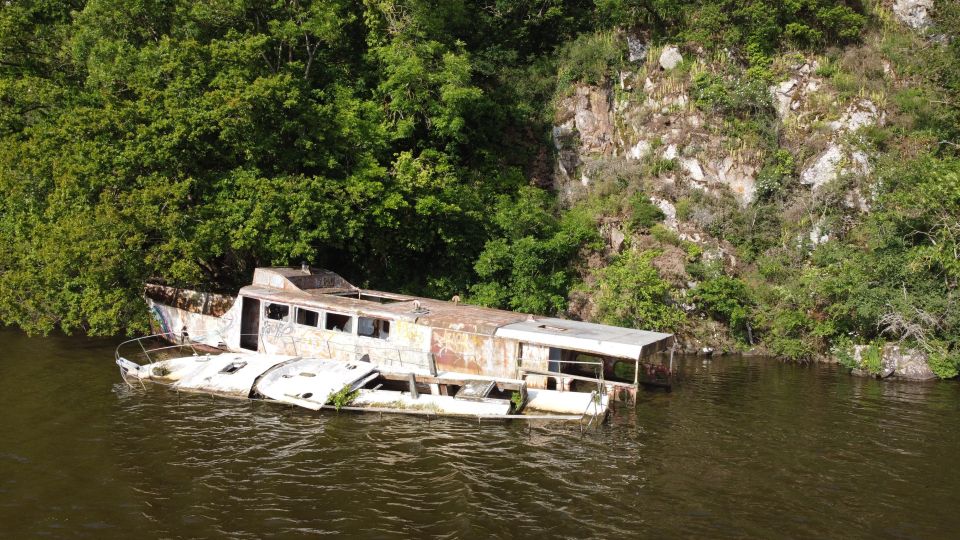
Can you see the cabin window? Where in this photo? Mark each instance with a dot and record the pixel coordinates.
(339, 323)
(277, 312)
(308, 317)
(373, 328)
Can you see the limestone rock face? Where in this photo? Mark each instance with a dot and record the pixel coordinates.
(585, 128)
(838, 160)
(692, 167)
(907, 364)
(783, 96)
(640, 150)
(910, 364)
(860, 114)
(669, 212)
(834, 162)
(914, 13)
(740, 177)
(670, 58)
(637, 49)
(592, 119)
(789, 95)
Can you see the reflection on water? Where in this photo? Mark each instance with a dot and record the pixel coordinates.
(743, 448)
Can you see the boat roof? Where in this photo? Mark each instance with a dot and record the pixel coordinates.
(323, 289)
(587, 337)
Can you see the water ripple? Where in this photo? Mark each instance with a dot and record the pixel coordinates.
(743, 448)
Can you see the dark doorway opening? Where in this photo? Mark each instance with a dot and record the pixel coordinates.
(250, 324)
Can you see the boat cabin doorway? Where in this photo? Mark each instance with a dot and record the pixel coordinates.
(250, 324)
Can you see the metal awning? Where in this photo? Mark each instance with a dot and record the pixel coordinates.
(587, 337)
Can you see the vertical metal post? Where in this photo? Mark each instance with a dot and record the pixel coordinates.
(413, 386)
(433, 364)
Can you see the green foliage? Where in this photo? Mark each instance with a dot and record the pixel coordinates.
(631, 293)
(752, 25)
(665, 235)
(725, 299)
(684, 207)
(775, 174)
(662, 165)
(190, 143)
(517, 400)
(871, 358)
(590, 58)
(643, 213)
(788, 334)
(843, 352)
(944, 362)
(343, 397)
(736, 95)
(528, 265)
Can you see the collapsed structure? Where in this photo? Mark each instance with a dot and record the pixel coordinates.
(434, 347)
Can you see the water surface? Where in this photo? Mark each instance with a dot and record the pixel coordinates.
(744, 447)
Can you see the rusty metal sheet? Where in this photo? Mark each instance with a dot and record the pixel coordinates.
(191, 301)
(479, 354)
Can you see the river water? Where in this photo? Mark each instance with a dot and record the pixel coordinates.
(743, 447)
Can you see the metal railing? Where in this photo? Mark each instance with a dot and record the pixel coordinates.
(146, 351)
(167, 336)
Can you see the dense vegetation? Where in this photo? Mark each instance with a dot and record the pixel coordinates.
(406, 144)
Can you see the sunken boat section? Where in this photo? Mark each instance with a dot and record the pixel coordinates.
(309, 338)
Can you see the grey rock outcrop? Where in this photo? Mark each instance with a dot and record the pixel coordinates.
(906, 364)
(790, 95)
(637, 49)
(837, 159)
(584, 131)
(670, 58)
(911, 364)
(914, 13)
(834, 162)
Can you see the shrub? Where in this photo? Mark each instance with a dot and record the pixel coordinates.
(943, 362)
(529, 264)
(725, 299)
(775, 173)
(739, 95)
(662, 165)
(590, 59)
(842, 350)
(684, 209)
(871, 358)
(665, 235)
(631, 293)
(788, 334)
(643, 213)
(343, 397)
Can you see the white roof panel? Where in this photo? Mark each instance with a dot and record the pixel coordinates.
(587, 337)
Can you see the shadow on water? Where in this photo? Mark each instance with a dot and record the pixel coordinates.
(744, 447)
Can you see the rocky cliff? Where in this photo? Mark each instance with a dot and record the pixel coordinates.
(693, 133)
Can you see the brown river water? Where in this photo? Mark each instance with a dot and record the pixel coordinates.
(743, 447)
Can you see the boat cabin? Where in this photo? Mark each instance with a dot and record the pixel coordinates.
(314, 312)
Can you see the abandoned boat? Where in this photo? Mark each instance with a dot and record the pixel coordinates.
(307, 337)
